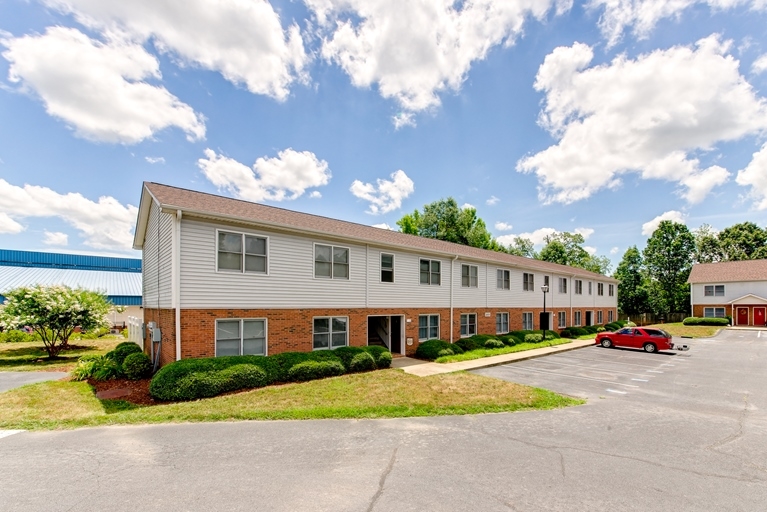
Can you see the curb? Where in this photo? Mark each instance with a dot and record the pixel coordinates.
(531, 356)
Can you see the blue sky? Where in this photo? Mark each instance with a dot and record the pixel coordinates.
(597, 117)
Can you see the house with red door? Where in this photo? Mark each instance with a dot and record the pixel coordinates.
(730, 288)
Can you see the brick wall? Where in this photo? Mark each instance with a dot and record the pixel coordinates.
(697, 310)
(166, 321)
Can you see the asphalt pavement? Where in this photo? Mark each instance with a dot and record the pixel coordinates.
(692, 438)
(10, 380)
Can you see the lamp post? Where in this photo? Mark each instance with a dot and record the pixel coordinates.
(544, 318)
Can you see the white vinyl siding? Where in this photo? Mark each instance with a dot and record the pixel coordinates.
(241, 337)
(714, 312)
(428, 327)
(156, 260)
(468, 324)
(330, 332)
(501, 323)
(527, 321)
(562, 319)
(469, 276)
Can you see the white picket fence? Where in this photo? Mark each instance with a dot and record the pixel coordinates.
(135, 332)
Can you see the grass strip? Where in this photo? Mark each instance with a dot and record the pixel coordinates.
(489, 352)
(379, 394)
(688, 331)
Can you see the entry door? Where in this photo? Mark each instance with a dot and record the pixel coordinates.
(742, 316)
(395, 335)
(759, 316)
(589, 318)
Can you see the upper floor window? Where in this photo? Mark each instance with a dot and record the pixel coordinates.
(578, 287)
(713, 290)
(562, 285)
(331, 262)
(239, 252)
(387, 268)
(611, 290)
(528, 282)
(503, 279)
(546, 280)
(430, 272)
(469, 276)
(600, 289)
(590, 283)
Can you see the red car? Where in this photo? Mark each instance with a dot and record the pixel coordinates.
(651, 340)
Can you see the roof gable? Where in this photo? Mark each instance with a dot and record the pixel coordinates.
(728, 272)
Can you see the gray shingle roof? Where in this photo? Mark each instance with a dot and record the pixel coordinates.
(728, 272)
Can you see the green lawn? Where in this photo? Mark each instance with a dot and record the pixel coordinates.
(31, 356)
(488, 352)
(692, 331)
(379, 394)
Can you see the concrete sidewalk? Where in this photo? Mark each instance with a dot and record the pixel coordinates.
(426, 368)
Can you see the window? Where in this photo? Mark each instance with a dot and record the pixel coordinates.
(330, 332)
(546, 280)
(609, 316)
(577, 320)
(503, 279)
(387, 268)
(590, 283)
(501, 323)
(611, 290)
(600, 317)
(528, 282)
(468, 325)
(331, 262)
(578, 287)
(711, 290)
(430, 271)
(527, 321)
(469, 276)
(231, 253)
(562, 285)
(428, 327)
(600, 288)
(714, 312)
(562, 319)
(241, 337)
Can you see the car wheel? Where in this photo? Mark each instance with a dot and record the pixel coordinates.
(650, 348)
(607, 343)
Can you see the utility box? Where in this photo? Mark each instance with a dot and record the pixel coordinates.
(156, 334)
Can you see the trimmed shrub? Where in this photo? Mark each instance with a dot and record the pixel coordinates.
(242, 376)
(511, 339)
(346, 354)
(591, 329)
(362, 362)
(612, 326)
(601, 329)
(550, 335)
(534, 338)
(381, 356)
(121, 351)
(621, 323)
(285, 361)
(137, 366)
(105, 369)
(705, 321)
(470, 343)
(430, 349)
(494, 343)
(578, 331)
(311, 370)
(566, 333)
(629, 324)
(445, 352)
(198, 385)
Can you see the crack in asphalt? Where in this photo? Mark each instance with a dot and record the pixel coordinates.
(734, 437)
(382, 481)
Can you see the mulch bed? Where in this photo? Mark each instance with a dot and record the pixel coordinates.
(133, 391)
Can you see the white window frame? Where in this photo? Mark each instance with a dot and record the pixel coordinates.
(428, 326)
(714, 289)
(528, 282)
(600, 289)
(578, 287)
(714, 311)
(562, 285)
(468, 324)
(610, 316)
(600, 317)
(332, 268)
(501, 315)
(505, 279)
(242, 333)
(470, 267)
(562, 319)
(330, 332)
(430, 272)
(243, 234)
(577, 318)
(380, 261)
(526, 315)
(611, 290)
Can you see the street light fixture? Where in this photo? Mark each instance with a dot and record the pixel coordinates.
(544, 318)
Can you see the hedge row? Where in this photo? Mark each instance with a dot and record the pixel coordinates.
(433, 349)
(189, 379)
(696, 320)
(125, 360)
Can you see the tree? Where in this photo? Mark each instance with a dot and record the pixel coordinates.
(668, 261)
(744, 241)
(708, 249)
(53, 312)
(522, 247)
(567, 249)
(632, 292)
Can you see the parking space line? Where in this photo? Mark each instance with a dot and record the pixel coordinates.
(653, 371)
(542, 361)
(535, 370)
(6, 433)
(616, 391)
(641, 380)
(610, 361)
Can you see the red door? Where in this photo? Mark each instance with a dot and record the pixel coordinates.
(742, 316)
(759, 316)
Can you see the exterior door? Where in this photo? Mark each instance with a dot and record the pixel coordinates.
(742, 316)
(589, 318)
(395, 335)
(759, 316)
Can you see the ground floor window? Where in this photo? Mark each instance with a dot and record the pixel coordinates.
(562, 319)
(714, 312)
(330, 332)
(527, 321)
(428, 327)
(241, 337)
(468, 324)
(609, 316)
(501, 323)
(577, 319)
(599, 317)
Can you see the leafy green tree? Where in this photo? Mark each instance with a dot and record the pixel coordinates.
(708, 249)
(53, 312)
(567, 249)
(522, 247)
(744, 241)
(668, 260)
(632, 292)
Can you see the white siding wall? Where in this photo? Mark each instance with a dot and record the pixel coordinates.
(732, 291)
(156, 259)
(407, 290)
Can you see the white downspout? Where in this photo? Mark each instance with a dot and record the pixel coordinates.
(176, 279)
(452, 278)
(572, 285)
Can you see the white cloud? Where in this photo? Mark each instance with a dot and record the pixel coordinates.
(493, 200)
(383, 225)
(464, 206)
(155, 159)
(584, 232)
(591, 250)
(413, 50)
(647, 115)
(759, 65)
(387, 195)
(643, 15)
(97, 87)
(242, 40)
(105, 224)
(8, 225)
(402, 119)
(537, 237)
(614, 250)
(315, 194)
(502, 226)
(55, 238)
(755, 176)
(650, 226)
(271, 179)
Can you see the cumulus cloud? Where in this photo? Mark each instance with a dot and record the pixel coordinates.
(105, 224)
(503, 226)
(383, 225)
(614, 250)
(538, 237)
(155, 159)
(641, 16)
(315, 194)
(759, 65)
(413, 50)
(402, 119)
(464, 206)
(591, 250)
(387, 195)
(675, 216)
(755, 176)
(647, 115)
(55, 238)
(270, 179)
(98, 88)
(584, 232)
(244, 41)
(492, 200)
(8, 226)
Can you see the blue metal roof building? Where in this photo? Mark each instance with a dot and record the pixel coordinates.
(118, 278)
